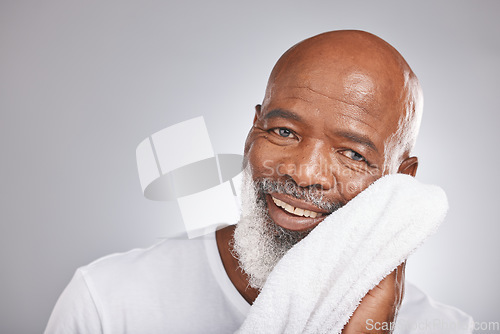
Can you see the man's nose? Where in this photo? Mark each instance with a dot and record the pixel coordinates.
(311, 165)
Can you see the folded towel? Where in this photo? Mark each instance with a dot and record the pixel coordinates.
(319, 283)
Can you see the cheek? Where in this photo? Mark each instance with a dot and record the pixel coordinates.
(267, 159)
(260, 156)
(350, 184)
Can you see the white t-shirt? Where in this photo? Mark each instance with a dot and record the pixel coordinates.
(180, 286)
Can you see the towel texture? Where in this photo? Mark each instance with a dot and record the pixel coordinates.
(319, 283)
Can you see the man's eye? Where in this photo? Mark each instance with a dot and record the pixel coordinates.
(353, 155)
(283, 132)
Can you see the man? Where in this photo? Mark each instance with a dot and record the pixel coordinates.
(341, 110)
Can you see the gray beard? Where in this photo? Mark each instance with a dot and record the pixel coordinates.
(259, 243)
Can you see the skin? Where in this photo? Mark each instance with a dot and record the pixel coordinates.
(332, 104)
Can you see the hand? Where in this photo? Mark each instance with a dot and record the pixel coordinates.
(379, 308)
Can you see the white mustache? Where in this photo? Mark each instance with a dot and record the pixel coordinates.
(311, 194)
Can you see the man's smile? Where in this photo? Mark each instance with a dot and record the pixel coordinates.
(296, 211)
(293, 214)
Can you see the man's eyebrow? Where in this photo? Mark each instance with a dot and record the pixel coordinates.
(280, 113)
(358, 138)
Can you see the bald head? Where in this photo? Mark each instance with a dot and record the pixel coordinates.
(359, 69)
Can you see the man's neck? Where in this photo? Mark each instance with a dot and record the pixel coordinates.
(239, 279)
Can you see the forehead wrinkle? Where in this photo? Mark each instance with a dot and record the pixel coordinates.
(299, 98)
(360, 121)
(338, 100)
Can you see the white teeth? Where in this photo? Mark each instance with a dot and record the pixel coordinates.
(288, 207)
(299, 211)
(296, 211)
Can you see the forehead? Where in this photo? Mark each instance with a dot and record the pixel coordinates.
(373, 85)
(338, 96)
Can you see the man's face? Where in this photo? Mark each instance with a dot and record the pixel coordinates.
(313, 147)
(341, 110)
(327, 140)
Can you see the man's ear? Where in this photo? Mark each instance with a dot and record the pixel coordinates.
(409, 166)
(257, 113)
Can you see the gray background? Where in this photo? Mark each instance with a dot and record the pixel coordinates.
(82, 83)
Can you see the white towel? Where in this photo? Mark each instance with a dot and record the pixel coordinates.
(319, 283)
